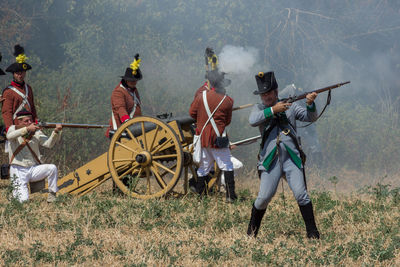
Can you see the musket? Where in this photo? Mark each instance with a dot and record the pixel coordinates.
(294, 98)
(246, 141)
(243, 106)
(70, 125)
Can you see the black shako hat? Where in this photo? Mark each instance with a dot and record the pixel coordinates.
(20, 64)
(266, 82)
(133, 73)
(217, 79)
(1, 71)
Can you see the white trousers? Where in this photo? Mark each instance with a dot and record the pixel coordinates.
(222, 156)
(21, 176)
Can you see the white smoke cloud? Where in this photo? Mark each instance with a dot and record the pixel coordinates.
(236, 60)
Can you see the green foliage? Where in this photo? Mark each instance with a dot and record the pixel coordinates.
(381, 192)
(373, 142)
(38, 254)
(13, 257)
(211, 252)
(260, 257)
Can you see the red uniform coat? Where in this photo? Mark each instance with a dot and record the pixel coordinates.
(122, 104)
(12, 101)
(201, 89)
(222, 116)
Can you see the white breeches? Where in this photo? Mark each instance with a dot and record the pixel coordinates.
(222, 156)
(21, 176)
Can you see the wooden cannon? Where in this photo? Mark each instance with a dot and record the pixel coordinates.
(146, 158)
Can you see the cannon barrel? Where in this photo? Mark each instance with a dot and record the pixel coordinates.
(183, 121)
(148, 126)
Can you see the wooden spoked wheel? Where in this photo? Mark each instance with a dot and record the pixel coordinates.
(145, 158)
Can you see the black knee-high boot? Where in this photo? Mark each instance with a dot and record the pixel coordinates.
(255, 221)
(308, 217)
(201, 185)
(230, 186)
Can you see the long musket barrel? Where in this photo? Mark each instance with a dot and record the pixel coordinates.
(246, 141)
(296, 98)
(242, 107)
(292, 99)
(71, 125)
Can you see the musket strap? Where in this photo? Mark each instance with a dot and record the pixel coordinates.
(33, 153)
(328, 101)
(136, 100)
(24, 99)
(20, 147)
(211, 116)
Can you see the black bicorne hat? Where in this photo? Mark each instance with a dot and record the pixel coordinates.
(129, 76)
(20, 64)
(217, 79)
(133, 73)
(266, 82)
(1, 71)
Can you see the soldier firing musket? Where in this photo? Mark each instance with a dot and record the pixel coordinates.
(280, 152)
(26, 164)
(295, 98)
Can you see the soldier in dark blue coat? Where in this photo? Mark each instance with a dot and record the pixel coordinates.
(280, 152)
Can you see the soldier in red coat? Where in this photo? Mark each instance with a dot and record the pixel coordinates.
(18, 95)
(125, 99)
(2, 128)
(1, 71)
(214, 142)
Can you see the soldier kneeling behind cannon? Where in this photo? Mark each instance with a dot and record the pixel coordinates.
(24, 140)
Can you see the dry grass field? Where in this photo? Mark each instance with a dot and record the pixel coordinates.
(358, 229)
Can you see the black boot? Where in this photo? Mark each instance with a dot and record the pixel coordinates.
(192, 185)
(201, 185)
(230, 186)
(308, 217)
(255, 221)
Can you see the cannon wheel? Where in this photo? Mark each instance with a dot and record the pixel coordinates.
(145, 158)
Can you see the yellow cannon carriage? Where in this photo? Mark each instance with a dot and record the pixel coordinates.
(146, 158)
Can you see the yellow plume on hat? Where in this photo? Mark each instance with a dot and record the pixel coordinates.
(19, 53)
(213, 61)
(135, 64)
(21, 58)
